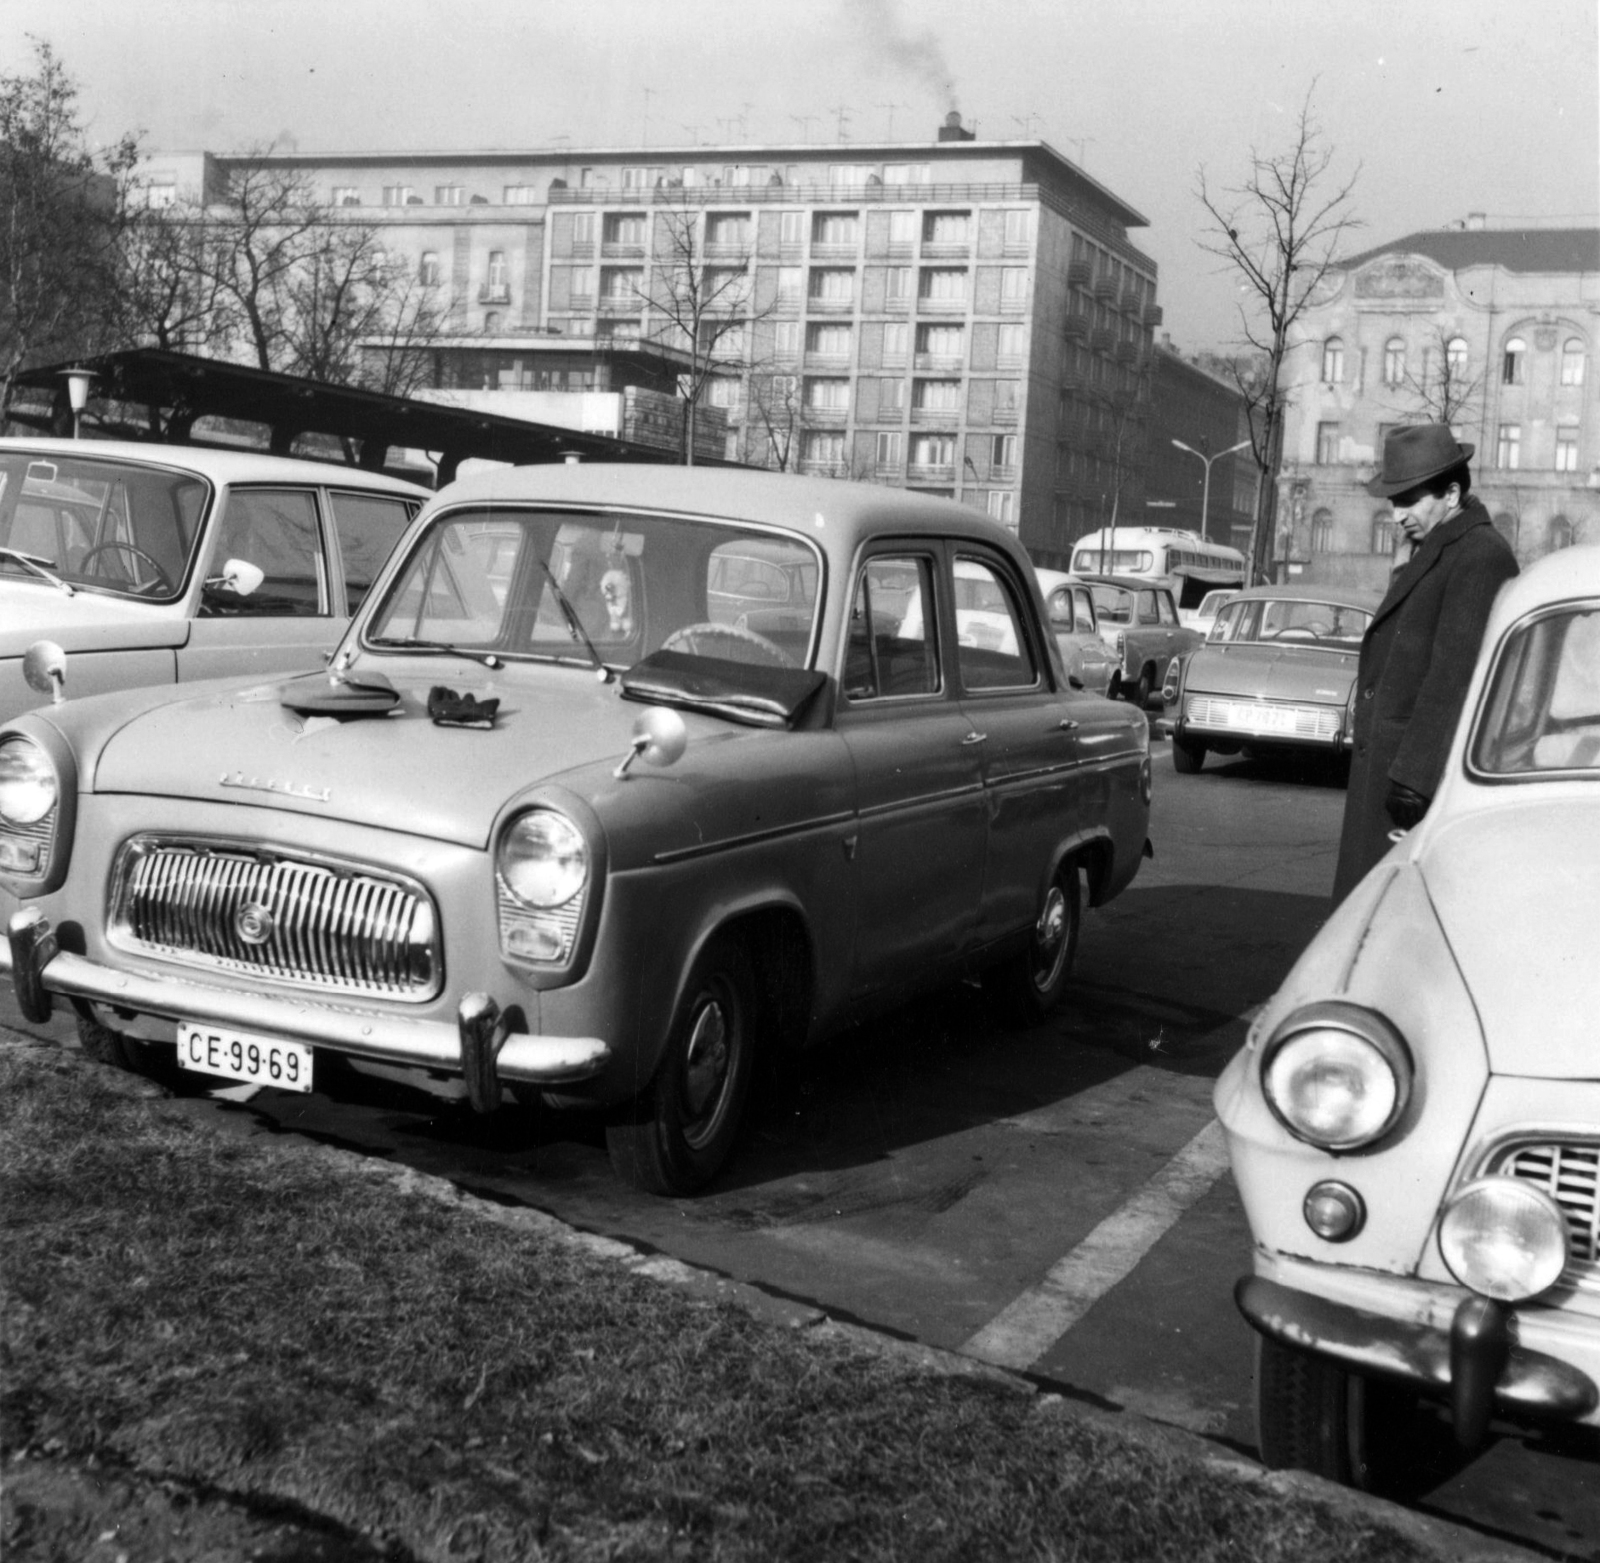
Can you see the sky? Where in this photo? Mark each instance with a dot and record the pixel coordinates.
(1436, 108)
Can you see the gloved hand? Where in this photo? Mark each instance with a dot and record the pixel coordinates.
(1404, 805)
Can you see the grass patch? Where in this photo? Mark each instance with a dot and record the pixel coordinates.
(268, 1324)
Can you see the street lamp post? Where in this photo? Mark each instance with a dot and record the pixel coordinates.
(1205, 487)
(78, 383)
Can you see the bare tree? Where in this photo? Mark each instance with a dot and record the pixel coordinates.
(1281, 230)
(1445, 388)
(1121, 407)
(170, 296)
(397, 354)
(62, 210)
(773, 419)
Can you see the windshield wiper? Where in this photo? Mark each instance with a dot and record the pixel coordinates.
(37, 565)
(443, 647)
(570, 614)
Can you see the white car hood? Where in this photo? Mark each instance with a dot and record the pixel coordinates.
(1517, 892)
(85, 621)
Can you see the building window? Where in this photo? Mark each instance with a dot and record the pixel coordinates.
(1003, 507)
(158, 197)
(891, 396)
(491, 320)
(791, 228)
(722, 390)
(1013, 343)
(346, 195)
(1559, 534)
(902, 227)
(499, 279)
(827, 395)
(1332, 361)
(1508, 450)
(891, 450)
(907, 173)
(1019, 227)
(946, 227)
(1384, 532)
(789, 278)
(1007, 396)
(621, 285)
(641, 178)
(428, 269)
(397, 195)
(625, 229)
(1455, 357)
(933, 450)
(1567, 448)
(1327, 444)
(1322, 532)
(939, 341)
(786, 338)
(1513, 365)
(449, 195)
(1002, 452)
(582, 285)
(1572, 361)
(835, 230)
(832, 285)
(1013, 287)
(943, 285)
(828, 341)
(823, 447)
(937, 396)
(851, 175)
(1394, 361)
(896, 334)
(582, 230)
(897, 284)
(725, 287)
(745, 174)
(728, 229)
(520, 195)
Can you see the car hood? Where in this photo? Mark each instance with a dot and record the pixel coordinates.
(85, 621)
(239, 745)
(1517, 892)
(1274, 672)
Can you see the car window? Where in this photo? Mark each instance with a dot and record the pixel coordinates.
(992, 649)
(367, 526)
(1113, 605)
(893, 647)
(1149, 613)
(1084, 615)
(1165, 612)
(1543, 711)
(276, 531)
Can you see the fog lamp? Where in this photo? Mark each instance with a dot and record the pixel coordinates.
(538, 939)
(1334, 1211)
(1504, 1238)
(27, 782)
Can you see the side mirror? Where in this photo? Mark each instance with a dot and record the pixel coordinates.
(44, 666)
(240, 576)
(660, 736)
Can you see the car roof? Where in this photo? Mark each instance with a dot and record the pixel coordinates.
(1567, 573)
(221, 466)
(835, 514)
(1129, 583)
(1335, 596)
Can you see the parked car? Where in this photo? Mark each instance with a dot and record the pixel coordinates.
(1139, 624)
(1204, 613)
(1277, 671)
(1069, 606)
(523, 839)
(1414, 1121)
(159, 564)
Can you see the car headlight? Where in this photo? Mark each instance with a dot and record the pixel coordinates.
(28, 787)
(544, 859)
(1336, 1076)
(1504, 1238)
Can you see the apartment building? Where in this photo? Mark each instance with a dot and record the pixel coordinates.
(1492, 330)
(963, 317)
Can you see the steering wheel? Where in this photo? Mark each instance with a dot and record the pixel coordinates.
(719, 640)
(161, 580)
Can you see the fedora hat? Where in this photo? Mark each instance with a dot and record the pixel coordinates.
(1413, 454)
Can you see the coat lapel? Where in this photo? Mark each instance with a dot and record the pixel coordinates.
(1426, 556)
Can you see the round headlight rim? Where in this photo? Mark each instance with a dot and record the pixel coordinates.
(1491, 1181)
(1366, 1025)
(578, 834)
(46, 763)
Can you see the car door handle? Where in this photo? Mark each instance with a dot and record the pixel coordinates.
(1067, 725)
(975, 738)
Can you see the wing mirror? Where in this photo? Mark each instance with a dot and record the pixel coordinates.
(44, 666)
(660, 736)
(238, 576)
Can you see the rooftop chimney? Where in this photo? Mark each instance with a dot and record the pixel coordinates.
(951, 129)
(1476, 222)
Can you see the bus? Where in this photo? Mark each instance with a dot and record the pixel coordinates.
(1184, 562)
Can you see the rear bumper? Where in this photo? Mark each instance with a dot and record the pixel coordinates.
(478, 1045)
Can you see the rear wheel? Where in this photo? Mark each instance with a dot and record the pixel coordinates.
(1187, 755)
(1030, 984)
(1313, 1415)
(1145, 688)
(679, 1132)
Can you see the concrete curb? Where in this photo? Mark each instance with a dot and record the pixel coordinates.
(1439, 1539)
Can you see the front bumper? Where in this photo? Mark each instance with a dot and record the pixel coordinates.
(479, 1046)
(1447, 1343)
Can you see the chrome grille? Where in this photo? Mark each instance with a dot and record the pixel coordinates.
(332, 926)
(1570, 1175)
(1262, 718)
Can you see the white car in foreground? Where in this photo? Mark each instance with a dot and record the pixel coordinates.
(1414, 1121)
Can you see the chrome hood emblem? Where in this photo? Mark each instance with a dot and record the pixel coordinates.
(253, 922)
(286, 789)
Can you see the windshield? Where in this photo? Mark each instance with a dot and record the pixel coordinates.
(104, 526)
(1294, 621)
(1543, 711)
(1112, 605)
(614, 587)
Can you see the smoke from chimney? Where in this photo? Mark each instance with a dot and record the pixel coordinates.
(918, 53)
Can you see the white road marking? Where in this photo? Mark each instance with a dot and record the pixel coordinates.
(1023, 1331)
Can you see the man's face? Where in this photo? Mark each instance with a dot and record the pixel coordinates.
(1417, 512)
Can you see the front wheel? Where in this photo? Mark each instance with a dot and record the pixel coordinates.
(1313, 1415)
(1030, 984)
(106, 1046)
(677, 1135)
(1187, 755)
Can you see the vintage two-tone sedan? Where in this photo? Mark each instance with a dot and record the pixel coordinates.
(585, 806)
(1414, 1121)
(163, 564)
(1277, 671)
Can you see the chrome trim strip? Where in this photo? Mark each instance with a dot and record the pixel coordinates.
(777, 832)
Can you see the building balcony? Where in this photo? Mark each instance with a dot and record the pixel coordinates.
(1004, 415)
(1127, 352)
(1080, 273)
(727, 252)
(1132, 302)
(1013, 306)
(829, 306)
(941, 306)
(920, 472)
(939, 417)
(823, 469)
(938, 361)
(580, 301)
(1151, 315)
(897, 306)
(582, 249)
(1007, 474)
(836, 363)
(494, 293)
(827, 417)
(958, 249)
(1105, 288)
(1075, 327)
(1103, 339)
(610, 250)
(620, 304)
(835, 252)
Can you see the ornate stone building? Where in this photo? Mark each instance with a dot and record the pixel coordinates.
(1492, 330)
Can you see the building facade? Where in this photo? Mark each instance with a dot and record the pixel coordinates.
(957, 316)
(1491, 330)
(1208, 487)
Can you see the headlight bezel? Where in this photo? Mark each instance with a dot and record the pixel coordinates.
(549, 945)
(43, 765)
(1373, 1035)
(56, 832)
(564, 859)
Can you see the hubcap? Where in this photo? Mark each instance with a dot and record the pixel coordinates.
(1050, 939)
(705, 1069)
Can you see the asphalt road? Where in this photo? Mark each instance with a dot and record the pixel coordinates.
(1056, 1199)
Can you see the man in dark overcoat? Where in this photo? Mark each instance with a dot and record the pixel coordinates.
(1419, 651)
